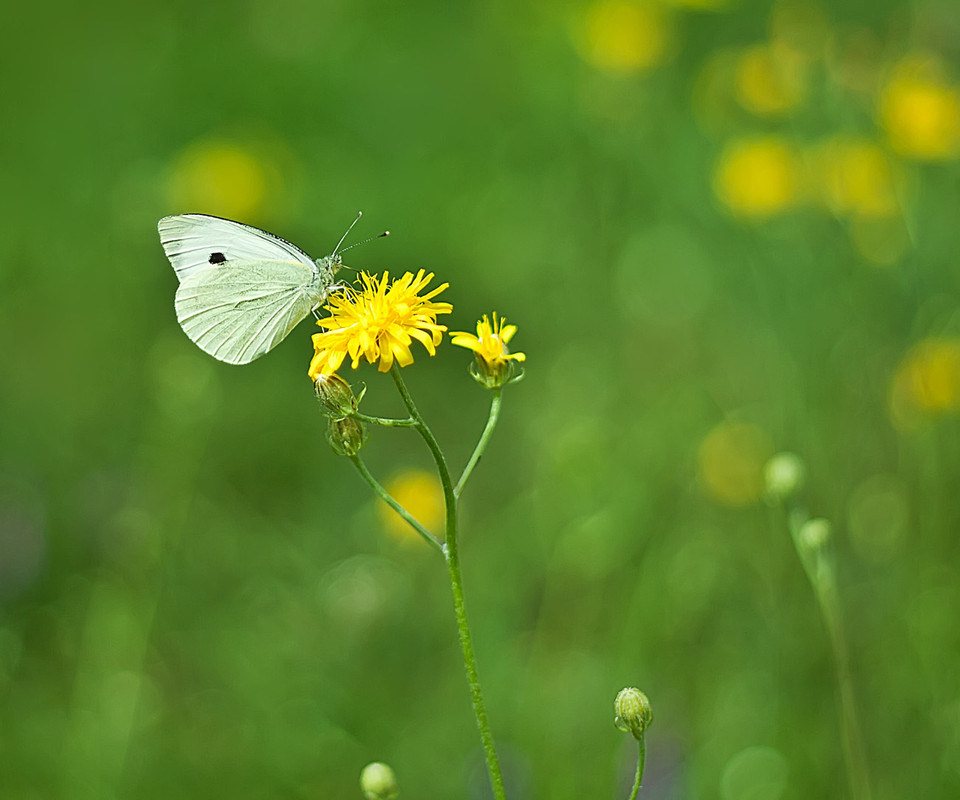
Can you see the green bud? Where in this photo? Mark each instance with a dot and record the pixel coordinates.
(377, 782)
(497, 373)
(346, 436)
(632, 712)
(784, 475)
(814, 534)
(335, 395)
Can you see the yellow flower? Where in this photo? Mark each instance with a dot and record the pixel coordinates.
(770, 79)
(927, 382)
(621, 36)
(421, 494)
(856, 177)
(490, 347)
(759, 177)
(222, 177)
(921, 110)
(731, 460)
(379, 322)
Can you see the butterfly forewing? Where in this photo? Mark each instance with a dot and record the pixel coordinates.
(240, 309)
(192, 240)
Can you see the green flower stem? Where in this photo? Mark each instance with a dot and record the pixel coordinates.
(451, 554)
(385, 421)
(819, 569)
(428, 537)
(641, 757)
(482, 444)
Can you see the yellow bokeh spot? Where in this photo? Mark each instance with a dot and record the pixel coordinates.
(855, 176)
(759, 177)
(222, 178)
(770, 79)
(420, 493)
(920, 110)
(927, 382)
(731, 462)
(620, 36)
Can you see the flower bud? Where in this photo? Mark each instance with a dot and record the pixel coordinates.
(813, 535)
(632, 712)
(346, 436)
(784, 475)
(335, 395)
(377, 782)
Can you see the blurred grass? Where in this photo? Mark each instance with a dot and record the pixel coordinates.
(728, 225)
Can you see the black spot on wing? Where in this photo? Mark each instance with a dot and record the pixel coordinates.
(217, 258)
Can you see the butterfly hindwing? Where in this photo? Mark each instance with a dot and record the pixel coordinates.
(238, 310)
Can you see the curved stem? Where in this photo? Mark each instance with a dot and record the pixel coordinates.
(384, 495)
(641, 757)
(482, 444)
(451, 553)
(820, 572)
(387, 422)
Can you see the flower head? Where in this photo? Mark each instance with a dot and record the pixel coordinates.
(379, 322)
(632, 712)
(495, 365)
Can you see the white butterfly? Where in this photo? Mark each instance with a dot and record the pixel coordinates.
(242, 290)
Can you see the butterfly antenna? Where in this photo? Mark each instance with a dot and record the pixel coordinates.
(337, 248)
(378, 236)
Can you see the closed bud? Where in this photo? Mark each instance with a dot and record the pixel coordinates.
(783, 476)
(346, 436)
(377, 782)
(632, 712)
(813, 535)
(335, 395)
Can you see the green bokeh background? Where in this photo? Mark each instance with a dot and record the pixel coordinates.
(197, 597)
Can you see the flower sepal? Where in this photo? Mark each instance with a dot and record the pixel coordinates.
(346, 436)
(336, 396)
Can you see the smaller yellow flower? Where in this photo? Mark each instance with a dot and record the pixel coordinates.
(771, 80)
(920, 108)
(623, 36)
(759, 177)
(421, 494)
(927, 382)
(379, 322)
(495, 362)
(731, 460)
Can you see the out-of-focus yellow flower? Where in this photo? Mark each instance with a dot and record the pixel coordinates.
(379, 322)
(221, 177)
(490, 347)
(420, 493)
(731, 460)
(920, 110)
(927, 382)
(855, 176)
(771, 79)
(623, 36)
(759, 177)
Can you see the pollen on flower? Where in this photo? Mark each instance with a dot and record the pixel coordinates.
(379, 322)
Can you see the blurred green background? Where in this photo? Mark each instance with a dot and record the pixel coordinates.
(723, 230)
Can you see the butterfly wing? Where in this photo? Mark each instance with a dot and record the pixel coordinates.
(238, 310)
(193, 242)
